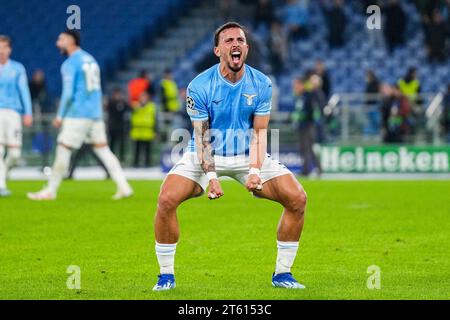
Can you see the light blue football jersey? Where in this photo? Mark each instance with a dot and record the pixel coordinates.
(229, 107)
(82, 94)
(14, 91)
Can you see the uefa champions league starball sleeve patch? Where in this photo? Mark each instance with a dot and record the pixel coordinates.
(190, 106)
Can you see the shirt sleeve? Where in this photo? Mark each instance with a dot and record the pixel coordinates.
(196, 105)
(68, 81)
(265, 101)
(24, 90)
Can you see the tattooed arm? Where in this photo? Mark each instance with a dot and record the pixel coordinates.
(206, 157)
(203, 146)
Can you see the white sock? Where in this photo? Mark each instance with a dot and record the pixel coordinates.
(12, 158)
(2, 168)
(112, 164)
(286, 256)
(60, 167)
(166, 257)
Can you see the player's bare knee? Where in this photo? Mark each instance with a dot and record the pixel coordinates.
(167, 203)
(297, 202)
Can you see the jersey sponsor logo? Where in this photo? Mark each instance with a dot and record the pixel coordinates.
(249, 98)
(190, 106)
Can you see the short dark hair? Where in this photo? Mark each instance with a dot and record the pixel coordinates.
(6, 39)
(75, 35)
(226, 26)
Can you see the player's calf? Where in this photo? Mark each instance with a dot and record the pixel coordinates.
(116, 172)
(12, 158)
(2, 169)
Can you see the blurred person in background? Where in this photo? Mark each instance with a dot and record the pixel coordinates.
(390, 115)
(169, 93)
(308, 113)
(278, 46)
(395, 24)
(446, 13)
(427, 7)
(264, 16)
(372, 100)
(138, 85)
(143, 123)
(84, 152)
(118, 111)
(446, 115)
(387, 102)
(170, 100)
(398, 118)
(296, 18)
(80, 118)
(436, 37)
(15, 108)
(42, 141)
(321, 70)
(336, 20)
(227, 9)
(407, 114)
(39, 92)
(409, 86)
(372, 87)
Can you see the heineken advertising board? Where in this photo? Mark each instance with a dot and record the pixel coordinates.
(396, 159)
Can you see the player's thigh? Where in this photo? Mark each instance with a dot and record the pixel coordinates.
(74, 132)
(283, 189)
(97, 135)
(189, 167)
(176, 189)
(12, 129)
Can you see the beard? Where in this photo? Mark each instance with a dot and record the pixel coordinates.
(64, 52)
(235, 69)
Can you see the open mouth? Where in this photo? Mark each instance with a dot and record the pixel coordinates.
(236, 57)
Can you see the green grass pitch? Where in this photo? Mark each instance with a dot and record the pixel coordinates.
(227, 248)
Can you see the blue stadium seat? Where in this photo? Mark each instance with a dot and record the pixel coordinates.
(110, 29)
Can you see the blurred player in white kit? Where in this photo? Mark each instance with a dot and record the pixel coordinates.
(15, 107)
(80, 118)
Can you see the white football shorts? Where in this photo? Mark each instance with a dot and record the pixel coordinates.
(235, 167)
(10, 128)
(75, 132)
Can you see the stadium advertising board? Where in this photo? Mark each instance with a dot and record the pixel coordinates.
(395, 159)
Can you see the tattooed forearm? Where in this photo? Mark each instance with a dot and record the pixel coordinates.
(203, 144)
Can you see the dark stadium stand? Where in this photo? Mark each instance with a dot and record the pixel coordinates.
(112, 30)
(347, 65)
(127, 37)
(117, 31)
